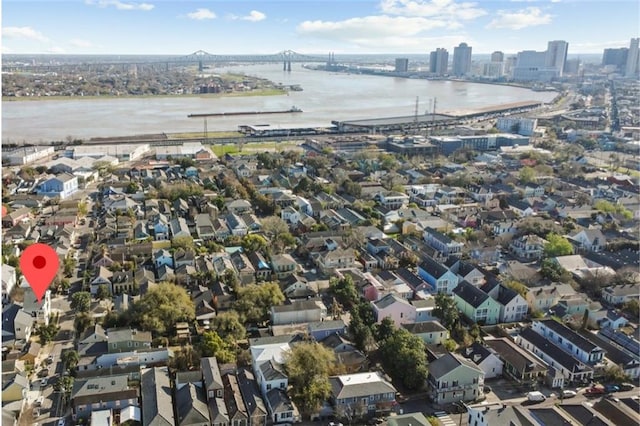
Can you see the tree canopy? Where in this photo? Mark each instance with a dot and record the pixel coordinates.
(228, 325)
(255, 300)
(446, 310)
(557, 246)
(213, 345)
(403, 355)
(81, 301)
(344, 290)
(308, 366)
(162, 307)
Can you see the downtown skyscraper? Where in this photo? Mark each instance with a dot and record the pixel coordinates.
(461, 60)
(557, 55)
(439, 61)
(633, 56)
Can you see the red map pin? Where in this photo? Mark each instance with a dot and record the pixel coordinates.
(39, 264)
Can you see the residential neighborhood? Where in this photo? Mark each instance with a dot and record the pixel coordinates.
(320, 284)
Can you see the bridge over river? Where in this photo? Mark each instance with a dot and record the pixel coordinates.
(24, 63)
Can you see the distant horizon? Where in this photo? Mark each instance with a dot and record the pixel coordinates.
(154, 27)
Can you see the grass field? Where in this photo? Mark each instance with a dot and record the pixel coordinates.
(255, 147)
(210, 135)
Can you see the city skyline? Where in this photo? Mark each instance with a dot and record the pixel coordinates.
(244, 27)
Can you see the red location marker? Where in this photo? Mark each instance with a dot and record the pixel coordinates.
(4, 211)
(39, 264)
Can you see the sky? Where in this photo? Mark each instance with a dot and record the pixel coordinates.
(311, 26)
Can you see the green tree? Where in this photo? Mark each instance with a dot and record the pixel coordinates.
(527, 175)
(308, 365)
(213, 345)
(361, 326)
(254, 301)
(404, 358)
(81, 301)
(186, 358)
(557, 246)
(162, 307)
(82, 321)
(47, 332)
(344, 291)
(552, 270)
(83, 208)
(446, 310)
(70, 358)
(632, 308)
(103, 292)
(228, 326)
(253, 242)
(384, 330)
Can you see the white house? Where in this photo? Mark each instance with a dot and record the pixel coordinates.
(570, 341)
(62, 185)
(619, 294)
(8, 281)
(395, 307)
(485, 358)
(589, 239)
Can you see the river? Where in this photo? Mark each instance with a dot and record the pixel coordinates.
(325, 97)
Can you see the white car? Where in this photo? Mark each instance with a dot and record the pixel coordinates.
(568, 393)
(62, 422)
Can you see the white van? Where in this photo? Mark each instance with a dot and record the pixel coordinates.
(536, 396)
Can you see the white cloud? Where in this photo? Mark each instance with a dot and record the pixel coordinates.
(378, 33)
(519, 19)
(80, 43)
(56, 49)
(444, 9)
(5, 49)
(253, 16)
(120, 5)
(372, 27)
(201, 14)
(27, 33)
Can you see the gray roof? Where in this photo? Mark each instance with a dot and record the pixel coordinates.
(359, 385)
(100, 385)
(569, 362)
(447, 363)
(250, 393)
(211, 373)
(409, 419)
(218, 411)
(470, 294)
(298, 305)
(568, 334)
(389, 300)
(326, 325)
(424, 327)
(191, 406)
(271, 370)
(477, 349)
(279, 401)
(157, 406)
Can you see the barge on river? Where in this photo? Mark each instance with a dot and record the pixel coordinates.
(293, 109)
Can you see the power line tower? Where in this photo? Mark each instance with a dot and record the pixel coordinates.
(415, 115)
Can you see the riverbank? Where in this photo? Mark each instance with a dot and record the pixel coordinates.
(261, 92)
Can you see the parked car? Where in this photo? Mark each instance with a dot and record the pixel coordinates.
(626, 386)
(611, 388)
(567, 393)
(43, 373)
(595, 390)
(44, 382)
(62, 422)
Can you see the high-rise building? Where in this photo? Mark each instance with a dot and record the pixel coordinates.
(616, 57)
(497, 56)
(631, 69)
(402, 64)
(461, 60)
(557, 55)
(439, 61)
